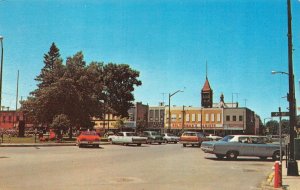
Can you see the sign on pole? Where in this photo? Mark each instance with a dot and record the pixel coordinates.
(279, 114)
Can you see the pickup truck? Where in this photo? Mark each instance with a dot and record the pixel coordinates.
(233, 146)
(192, 138)
(126, 138)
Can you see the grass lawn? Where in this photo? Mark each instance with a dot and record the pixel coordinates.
(31, 139)
(18, 139)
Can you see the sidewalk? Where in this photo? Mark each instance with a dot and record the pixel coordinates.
(288, 182)
(44, 144)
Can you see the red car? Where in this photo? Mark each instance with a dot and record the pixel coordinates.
(88, 138)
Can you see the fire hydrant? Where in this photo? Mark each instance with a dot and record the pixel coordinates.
(278, 175)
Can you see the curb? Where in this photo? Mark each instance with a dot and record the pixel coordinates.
(44, 144)
(37, 145)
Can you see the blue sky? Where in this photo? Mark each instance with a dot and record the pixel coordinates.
(169, 42)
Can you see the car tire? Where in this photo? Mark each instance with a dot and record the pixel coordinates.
(231, 155)
(139, 144)
(184, 145)
(276, 155)
(175, 142)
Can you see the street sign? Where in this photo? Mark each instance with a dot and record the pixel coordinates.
(278, 114)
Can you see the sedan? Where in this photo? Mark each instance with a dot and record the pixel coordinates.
(167, 137)
(88, 138)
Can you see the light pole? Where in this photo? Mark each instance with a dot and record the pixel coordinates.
(1, 71)
(170, 95)
(292, 169)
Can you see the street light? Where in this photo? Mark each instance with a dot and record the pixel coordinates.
(292, 164)
(292, 169)
(279, 72)
(1, 71)
(170, 95)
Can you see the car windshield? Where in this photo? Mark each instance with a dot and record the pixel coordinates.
(227, 138)
(154, 133)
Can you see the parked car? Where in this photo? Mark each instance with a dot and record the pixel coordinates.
(233, 146)
(192, 138)
(168, 137)
(88, 138)
(153, 137)
(127, 138)
(214, 137)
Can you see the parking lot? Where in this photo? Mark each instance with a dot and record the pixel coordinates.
(166, 166)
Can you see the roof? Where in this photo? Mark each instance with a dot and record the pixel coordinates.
(206, 86)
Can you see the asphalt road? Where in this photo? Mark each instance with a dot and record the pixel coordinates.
(167, 166)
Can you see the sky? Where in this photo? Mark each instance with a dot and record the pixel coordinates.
(168, 41)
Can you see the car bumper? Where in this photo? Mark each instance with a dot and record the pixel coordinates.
(172, 140)
(190, 142)
(207, 150)
(88, 142)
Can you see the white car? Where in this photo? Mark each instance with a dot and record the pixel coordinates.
(167, 137)
(126, 138)
(214, 137)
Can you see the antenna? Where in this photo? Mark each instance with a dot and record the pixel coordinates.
(163, 94)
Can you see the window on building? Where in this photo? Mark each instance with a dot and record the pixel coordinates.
(227, 117)
(156, 116)
(179, 117)
(207, 117)
(234, 118)
(187, 117)
(213, 117)
(9, 118)
(173, 117)
(240, 118)
(199, 117)
(162, 113)
(193, 117)
(218, 117)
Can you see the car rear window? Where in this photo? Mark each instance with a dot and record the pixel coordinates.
(227, 138)
(89, 133)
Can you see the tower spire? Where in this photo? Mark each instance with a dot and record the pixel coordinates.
(206, 69)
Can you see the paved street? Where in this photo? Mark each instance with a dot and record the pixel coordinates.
(126, 167)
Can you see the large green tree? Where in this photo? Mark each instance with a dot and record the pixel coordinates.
(79, 90)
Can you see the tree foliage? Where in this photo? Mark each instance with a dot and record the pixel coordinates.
(272, 127)
(80, 91)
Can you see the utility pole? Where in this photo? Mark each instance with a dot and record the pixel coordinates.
(183, 117)
(292, 169)
(1, 71)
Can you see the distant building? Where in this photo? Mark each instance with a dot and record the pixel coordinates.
(10, 119)
(219, 118)
(137, 118)
(206, 95)
(156, 117)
